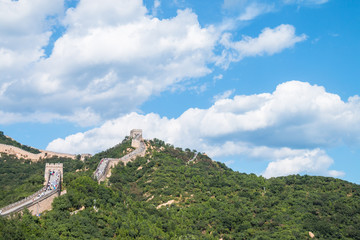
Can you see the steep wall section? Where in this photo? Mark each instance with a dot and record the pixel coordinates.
(103, 169)
(53, 167)
(42, 199)
(43, 204)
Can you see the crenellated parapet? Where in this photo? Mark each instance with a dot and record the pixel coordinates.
(136, 137)
(53, 167)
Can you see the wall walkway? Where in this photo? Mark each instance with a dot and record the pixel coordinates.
(41, 200)
(103, 169)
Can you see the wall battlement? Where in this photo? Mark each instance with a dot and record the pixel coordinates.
(52, 167)
(136, 135)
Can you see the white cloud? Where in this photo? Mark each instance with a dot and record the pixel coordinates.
(108, 13)
(24, 17)
(305, 2)
(118, 55)
(295, 115)
(156, 7)
(230, 162)
(310, 161)
(224, 95)
(269, 42)
(112, 132)
(283, 161)
(111, 62)
(255, 9)
(218, 77)
(4, 87)
(288, 127)
(24, 31)
(82, 117)
(247, 9)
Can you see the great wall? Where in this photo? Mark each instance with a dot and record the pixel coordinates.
(42, 199)
(103, 169)
(20, 153)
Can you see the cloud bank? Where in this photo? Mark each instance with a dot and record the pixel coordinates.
(288, 127)
(121, 54)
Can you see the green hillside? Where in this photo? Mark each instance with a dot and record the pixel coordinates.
(8, 141)
(20, 178)
(209, 201)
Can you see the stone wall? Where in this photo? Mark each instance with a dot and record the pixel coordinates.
(43, 205)
(20, 153)
(136, 135)
(53, 167)
(137, 142)
(49, 154)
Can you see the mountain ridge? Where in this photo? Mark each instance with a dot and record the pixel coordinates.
(167, 194)
(6, 140)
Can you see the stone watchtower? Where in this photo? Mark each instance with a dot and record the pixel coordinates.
(53, 167)
(136, 135)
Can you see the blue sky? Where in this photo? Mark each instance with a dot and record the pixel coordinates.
(268, 87)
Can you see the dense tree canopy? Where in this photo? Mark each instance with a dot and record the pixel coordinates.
(169, 194)
(20, 178)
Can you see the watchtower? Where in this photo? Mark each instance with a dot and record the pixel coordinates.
(136, 135)
(53, 167)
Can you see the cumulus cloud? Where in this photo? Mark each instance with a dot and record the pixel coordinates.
(269, 42)
(283, 161)
(118, 55)
(112, 62)
(289, 127)
(108, 13)
(310, 161)
(24, 30)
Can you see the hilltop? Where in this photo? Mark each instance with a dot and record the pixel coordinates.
(9, 146)
(172, 193)
(9, 141)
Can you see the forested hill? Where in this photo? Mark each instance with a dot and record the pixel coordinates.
(178, 194)
(9, 141)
